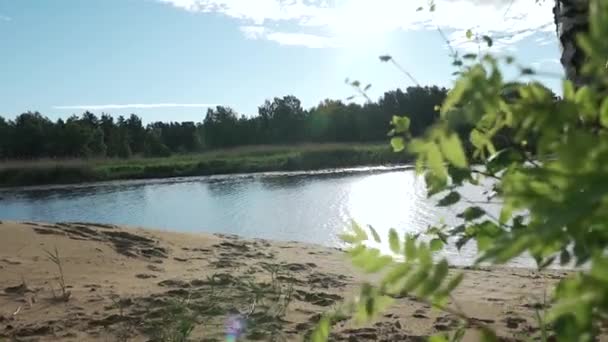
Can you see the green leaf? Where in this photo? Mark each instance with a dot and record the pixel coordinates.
(604, 113)
(356, 251)
(458, 175)
(454, 282)
(321, 332)
(401, 123)
(415, 280)
(469, 56)
(455, 95)
(436, 245)
(459, 334)
(488, 40)
(419, 9)
(397, 273)
(410, 248)
(435, 161)
(348, 238)
(434, 183)
(438, 338)
(503, 159)
(398, 144)
(385, 58)
(568, 90)
(599, 270)
(440, 271)
(358, 231)
(469, 34)
(452, 150)
(472, 213)
(393, 241)
(370, 260)
(505, 213)
(488, 335)
(451, 198)
(376, 264)
(367, 87)
(478, 139)
(374, 234)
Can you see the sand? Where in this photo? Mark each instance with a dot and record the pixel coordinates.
(131, 284)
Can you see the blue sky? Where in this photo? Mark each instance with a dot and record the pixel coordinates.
(168, 59)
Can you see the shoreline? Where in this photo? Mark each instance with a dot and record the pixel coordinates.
(185, 179)
(124, 281)
(222, 162)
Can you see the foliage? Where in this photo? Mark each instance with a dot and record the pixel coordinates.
(280, 121)
(549, 178)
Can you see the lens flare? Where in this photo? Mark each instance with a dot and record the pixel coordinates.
(235, 327)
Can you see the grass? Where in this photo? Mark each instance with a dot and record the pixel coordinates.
(64, 294)
(247, 159)
(219, 305)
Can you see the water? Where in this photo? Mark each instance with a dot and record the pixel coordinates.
(300, 206)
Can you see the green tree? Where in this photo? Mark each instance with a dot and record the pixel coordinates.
(97, 145)
(153, 146)
(136, 133)
(5, 139)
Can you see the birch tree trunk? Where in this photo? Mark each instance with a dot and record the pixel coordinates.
(571, 18)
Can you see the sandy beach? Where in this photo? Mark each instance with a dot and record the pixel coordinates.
(132, 284)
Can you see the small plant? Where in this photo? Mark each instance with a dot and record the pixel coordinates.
(64, 294)
(178, 322)
(125, 330)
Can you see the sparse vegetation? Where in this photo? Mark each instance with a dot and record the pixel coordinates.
(222, 299)
(64, 294)
(177, 322)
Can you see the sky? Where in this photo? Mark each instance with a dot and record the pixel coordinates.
(169, 60)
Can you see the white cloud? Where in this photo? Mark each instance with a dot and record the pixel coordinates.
(289, 38)
(5, 18)
(137, 106)
(341, 20)
(303, 39)
(253, 32)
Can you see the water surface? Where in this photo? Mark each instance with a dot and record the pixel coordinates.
(301, 206)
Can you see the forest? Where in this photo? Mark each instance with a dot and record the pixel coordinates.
(280, 121)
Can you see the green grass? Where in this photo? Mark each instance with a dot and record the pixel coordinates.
(225, 161)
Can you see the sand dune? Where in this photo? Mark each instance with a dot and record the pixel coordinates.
(132, 284)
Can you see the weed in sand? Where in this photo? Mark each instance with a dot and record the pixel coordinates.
(126, 329)
(55, 259)
(177, 323)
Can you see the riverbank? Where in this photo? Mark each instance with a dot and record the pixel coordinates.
(227, 161)
(128, 284)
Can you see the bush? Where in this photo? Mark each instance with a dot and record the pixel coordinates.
(553, 194)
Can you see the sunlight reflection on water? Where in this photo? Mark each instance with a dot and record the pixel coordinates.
(303, 206)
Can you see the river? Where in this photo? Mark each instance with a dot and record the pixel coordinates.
(300, 206)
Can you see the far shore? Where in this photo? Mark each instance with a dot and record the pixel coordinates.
(246, 159)
(133, 284)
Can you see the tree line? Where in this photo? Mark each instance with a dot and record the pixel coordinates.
(281, 120)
